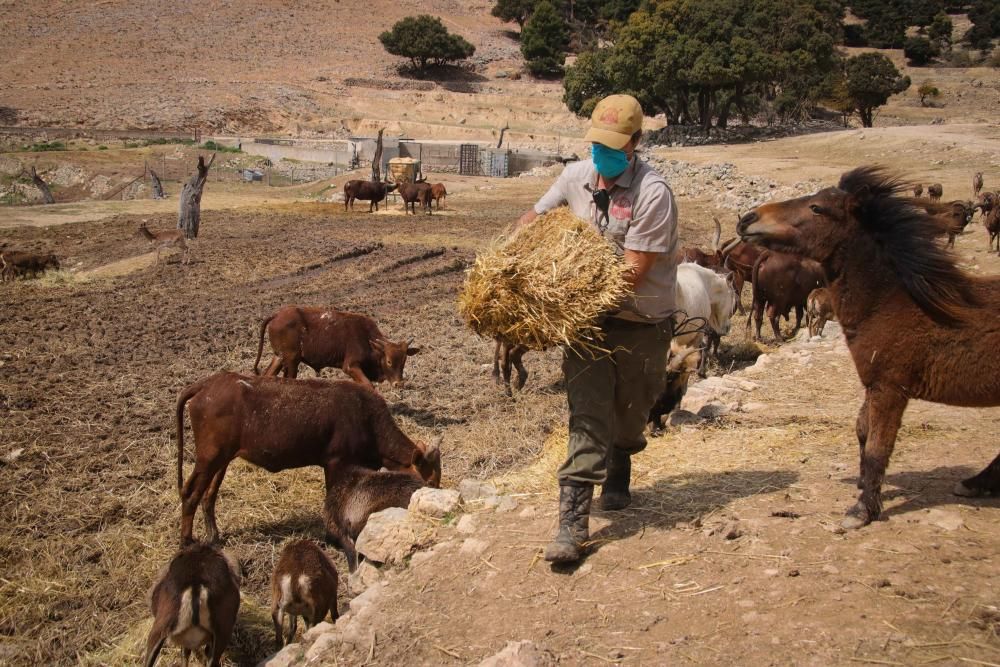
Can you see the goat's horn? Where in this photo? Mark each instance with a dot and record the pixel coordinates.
(718, 234)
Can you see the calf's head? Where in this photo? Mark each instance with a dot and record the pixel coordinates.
(392, 358)
(427, 463)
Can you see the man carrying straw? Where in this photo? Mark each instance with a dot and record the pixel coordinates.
(610, 395)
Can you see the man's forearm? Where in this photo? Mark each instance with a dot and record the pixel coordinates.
(639, 264)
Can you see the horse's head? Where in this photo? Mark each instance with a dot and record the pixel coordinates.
(812, 226)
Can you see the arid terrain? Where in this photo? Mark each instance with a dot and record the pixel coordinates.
(730, 553)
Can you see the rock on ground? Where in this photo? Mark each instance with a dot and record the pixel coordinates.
(388, 537)
(435, 502)
(520, 654)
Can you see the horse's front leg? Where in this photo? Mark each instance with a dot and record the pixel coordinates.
(885, 413)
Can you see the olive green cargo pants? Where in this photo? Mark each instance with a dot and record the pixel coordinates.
(610, 396)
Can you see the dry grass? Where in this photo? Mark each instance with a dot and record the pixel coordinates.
(546, 285)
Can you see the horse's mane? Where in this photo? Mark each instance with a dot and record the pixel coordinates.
(906, 232)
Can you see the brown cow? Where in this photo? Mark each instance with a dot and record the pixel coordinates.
(370, 191)
(738, 257)
(327, 338)
(438, 192)
(279, 424)
(412, 193)
(15, 263)
(782, 282)
(195, 601)
(356, 493)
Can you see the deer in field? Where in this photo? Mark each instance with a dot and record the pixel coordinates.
(173, 238)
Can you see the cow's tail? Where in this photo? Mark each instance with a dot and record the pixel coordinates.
(260, 343)
(755, 290)
(186, 395)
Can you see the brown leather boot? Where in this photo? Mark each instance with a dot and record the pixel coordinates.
(614, 492)
(574, 520)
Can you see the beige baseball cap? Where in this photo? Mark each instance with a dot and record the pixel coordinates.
(615, 119)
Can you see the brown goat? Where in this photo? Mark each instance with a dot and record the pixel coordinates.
(819, 310)
(956, 217)
(172, 238)
(304, 583)
(918, 190)
(935, 191)
(682, 364)
(977, 184)
(506, 355)
(917, 326)
(279, 424)
(355, 494)
(710, 260)
(194, 602)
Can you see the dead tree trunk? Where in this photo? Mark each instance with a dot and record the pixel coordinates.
(189, 216)
(157, 186)
(47, 197)
(377, 160)
(504, 129)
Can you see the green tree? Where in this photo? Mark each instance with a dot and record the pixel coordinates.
(985, 17)
(514, 11)
(587, 81)
(940, 30)
(871, 80)
(919, 50)
(700, 61)
(544, 39)
(927, 89)
(425, 41)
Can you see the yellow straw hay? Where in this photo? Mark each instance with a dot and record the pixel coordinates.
(545, 285)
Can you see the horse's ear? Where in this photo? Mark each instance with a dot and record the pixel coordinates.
(857, 200)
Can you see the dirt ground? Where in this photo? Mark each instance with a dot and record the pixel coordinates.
(91, 360)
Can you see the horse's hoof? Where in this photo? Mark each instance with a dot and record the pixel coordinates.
(961, 489)
(857, 517)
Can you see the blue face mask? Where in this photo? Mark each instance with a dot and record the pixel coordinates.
(608, 162)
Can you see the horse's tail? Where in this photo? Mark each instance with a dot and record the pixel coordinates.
(260, 343)
(186, 395)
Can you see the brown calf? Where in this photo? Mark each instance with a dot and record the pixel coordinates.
(327, 338)
(356, 493)
(279, 424)
(304, 583)
(438, 193)
(194, 602)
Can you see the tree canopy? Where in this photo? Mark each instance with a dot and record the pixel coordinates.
(695, 60)
(544, 39)
(919, 50)
(514, 11)
(425, 41)
(871, 80)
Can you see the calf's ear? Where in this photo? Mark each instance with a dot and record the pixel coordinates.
(378, 344)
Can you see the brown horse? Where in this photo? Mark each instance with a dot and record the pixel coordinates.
(916, 325)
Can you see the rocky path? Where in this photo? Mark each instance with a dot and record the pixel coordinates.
(731, 551)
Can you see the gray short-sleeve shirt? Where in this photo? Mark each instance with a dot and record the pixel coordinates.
(642, 217)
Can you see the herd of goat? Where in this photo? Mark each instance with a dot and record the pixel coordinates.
(346, 428)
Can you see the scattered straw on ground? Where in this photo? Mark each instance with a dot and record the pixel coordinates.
(546, 285)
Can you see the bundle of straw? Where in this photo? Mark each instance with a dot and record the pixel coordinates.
(545, 285)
